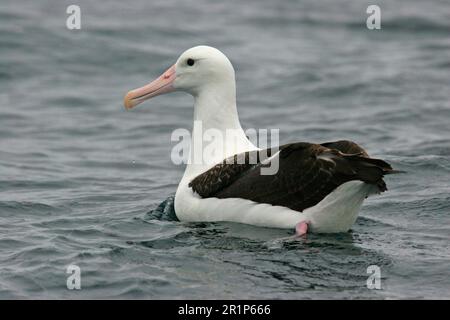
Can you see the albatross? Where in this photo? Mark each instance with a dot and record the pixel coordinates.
(317, 187)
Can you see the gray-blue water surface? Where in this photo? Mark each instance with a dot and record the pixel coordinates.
(81, 179)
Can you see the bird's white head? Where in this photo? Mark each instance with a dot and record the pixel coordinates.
(198, 69)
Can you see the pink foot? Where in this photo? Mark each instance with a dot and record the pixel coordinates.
(301, 229)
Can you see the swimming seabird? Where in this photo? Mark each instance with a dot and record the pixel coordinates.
(318, 187)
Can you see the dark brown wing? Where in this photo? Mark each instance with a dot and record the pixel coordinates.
(307, 174)
(346, 146)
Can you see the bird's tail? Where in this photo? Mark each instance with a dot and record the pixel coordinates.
(371, 170)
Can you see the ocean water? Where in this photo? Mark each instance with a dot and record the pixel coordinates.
(84, 182)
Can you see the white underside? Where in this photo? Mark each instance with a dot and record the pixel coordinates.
(337, 212)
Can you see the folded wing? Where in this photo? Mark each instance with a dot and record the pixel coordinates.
(306, 174)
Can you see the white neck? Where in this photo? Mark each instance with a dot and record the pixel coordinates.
(216, 126)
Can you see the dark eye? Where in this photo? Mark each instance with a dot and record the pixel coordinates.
(190, 62)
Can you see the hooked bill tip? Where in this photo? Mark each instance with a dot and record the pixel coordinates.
(128, 101)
